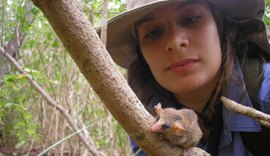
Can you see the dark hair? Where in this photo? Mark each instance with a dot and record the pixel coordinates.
(143, 83)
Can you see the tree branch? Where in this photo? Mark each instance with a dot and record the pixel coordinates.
(259, 116)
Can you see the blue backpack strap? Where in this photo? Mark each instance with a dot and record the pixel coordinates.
(255, 142)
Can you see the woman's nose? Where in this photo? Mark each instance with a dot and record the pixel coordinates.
(176, 40)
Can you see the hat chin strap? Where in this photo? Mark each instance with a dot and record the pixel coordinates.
(136, 37)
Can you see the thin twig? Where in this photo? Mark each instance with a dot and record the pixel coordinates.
(103, 36)
(2, 24)
(259, 116)
(66, 138)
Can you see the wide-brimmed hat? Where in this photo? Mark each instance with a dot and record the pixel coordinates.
(121, 44)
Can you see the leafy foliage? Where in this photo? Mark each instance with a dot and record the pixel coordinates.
(267, 15)
(16, 119)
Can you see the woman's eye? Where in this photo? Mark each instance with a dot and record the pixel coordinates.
(191, 20)
(153, 34)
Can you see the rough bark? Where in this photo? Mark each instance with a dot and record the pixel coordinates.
(86, 49)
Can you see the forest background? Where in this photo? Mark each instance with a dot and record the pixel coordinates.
(27, 123)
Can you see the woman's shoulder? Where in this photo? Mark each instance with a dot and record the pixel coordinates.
(265, 86)
(264, 96)
(266, 69)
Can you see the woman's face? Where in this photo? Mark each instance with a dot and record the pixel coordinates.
(181, 45)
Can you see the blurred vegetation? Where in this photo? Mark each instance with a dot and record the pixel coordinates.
(267, 15)
(26, 121)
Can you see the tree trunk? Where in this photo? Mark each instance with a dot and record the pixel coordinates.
(80, 39)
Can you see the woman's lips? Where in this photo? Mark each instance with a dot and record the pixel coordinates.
(182, 66)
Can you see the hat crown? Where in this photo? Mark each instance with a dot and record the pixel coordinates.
(237, 9)
(133, 4)
(241, 9)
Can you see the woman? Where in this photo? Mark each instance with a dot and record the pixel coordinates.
(187, 53)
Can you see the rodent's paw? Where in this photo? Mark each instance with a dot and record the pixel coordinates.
(195, 152)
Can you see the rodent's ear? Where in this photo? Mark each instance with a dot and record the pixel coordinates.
(178, 128)
(158, 108)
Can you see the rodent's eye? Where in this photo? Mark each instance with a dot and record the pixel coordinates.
(165, 126)
(176, 118)
(157, 118)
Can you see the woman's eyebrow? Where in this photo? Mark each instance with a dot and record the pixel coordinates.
(145, 19)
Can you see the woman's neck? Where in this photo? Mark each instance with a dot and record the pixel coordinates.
(196, 100)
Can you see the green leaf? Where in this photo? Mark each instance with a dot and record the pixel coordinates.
(15, 106)
(12, 78)
(20, 10)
